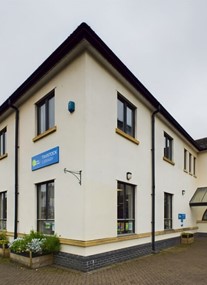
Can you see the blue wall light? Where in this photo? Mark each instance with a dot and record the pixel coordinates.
(71, 106)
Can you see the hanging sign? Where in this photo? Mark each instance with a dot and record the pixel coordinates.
(45, 158)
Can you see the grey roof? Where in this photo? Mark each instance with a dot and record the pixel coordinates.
(202, 143)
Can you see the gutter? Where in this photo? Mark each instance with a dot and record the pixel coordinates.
(16, 174)
(153, 176)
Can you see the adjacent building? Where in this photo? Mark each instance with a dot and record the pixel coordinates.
(88, 153)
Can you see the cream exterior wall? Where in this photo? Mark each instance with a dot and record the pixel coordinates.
(69, 84)
(202, 166)
(173, 179)
(7, 168)
(202, 182)
(88, 142)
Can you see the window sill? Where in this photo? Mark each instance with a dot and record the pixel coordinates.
(46, 133)
(126, 136)
(168, 160)
(3, 156)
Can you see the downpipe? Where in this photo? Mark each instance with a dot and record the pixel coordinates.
(16, 170)
(153, 179)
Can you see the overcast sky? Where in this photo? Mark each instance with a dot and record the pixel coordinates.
(163, 42)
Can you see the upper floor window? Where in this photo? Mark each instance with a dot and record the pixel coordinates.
(3, 210)
(125, 208)
(3, 142)
(125, 116)
(46, 113)
(168, 149)
(194, 166)
(185, 159)
(190, 163)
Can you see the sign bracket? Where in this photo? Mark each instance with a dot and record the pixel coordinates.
(77, 174)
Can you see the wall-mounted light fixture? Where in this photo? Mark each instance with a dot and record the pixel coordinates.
(128, 175)
(71, 106)
(183, 192)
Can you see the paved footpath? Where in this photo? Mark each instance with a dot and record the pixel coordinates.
(184, 264)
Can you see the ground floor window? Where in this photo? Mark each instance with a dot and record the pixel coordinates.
(45, 208)
(125, 208)
(167, 211)
(3, 210)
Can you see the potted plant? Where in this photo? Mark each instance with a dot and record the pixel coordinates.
(34, 250)
(4, 251)
(187, 238)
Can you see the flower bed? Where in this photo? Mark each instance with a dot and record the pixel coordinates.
(32, 261)
(34, 250)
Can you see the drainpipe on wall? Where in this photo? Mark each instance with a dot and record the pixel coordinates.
(153, 177)
(16, 170)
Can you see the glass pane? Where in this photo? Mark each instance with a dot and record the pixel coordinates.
(185, 159)
(41, 201)
(120, 116)
(46, 227)
(42, 119)
(120, 227)
(168, 147)
(167, 211)
(1, 144)
(5, 206)
(4, 143)
(129, 126)
(51, 112)
(120, 204)
(200, 195)
(129, 202)
(125, 208)
(205, 216)
(1, 206)
(50, 201)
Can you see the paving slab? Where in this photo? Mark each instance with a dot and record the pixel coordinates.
(183, 264)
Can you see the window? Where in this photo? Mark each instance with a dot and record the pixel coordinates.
(126, 116)
(3, 210)
(190, 163)
(46, 113)
(168, 149)
(125, 208)
(185, 159)
(3, 142)
(167, 211)
(45, 207)
(194, 166)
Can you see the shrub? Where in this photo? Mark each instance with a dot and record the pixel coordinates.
(18, 245)
(3, 238)
(36, 243)
(51, 244)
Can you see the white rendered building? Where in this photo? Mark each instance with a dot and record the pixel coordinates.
(88, 153)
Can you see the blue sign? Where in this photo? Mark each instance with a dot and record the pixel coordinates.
(46, 158)
(181, 217)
